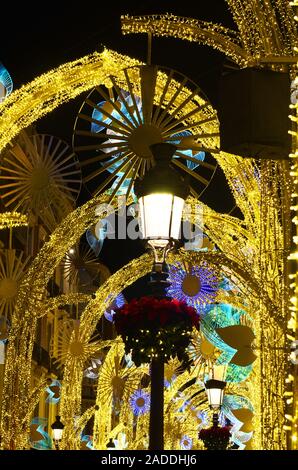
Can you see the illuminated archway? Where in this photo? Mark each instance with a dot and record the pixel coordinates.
(126, 276)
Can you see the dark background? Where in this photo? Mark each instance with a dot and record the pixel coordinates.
(44, 37)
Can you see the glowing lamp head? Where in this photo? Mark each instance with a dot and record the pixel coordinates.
(215, 393)
(160, 215)
(57, 428)
(215, 385)
(161, 195)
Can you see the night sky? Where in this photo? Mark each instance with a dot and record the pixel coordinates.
(45, 37)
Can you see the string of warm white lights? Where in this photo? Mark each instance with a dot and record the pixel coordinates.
(254, 40)
(137, 268)
(73, 373)
(291, 425)
(53, 253)
(64, 299)
(189, 29)
(265, 38)
(28, 308)
(12, 219)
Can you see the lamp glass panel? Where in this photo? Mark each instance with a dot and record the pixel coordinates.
(160, 216)
(57, 434)
(176, 217)
(215, 397)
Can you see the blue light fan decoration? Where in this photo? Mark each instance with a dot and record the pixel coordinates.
(51, 398)
(94, 243)
(112, 136)
(169, 383)
(86, 438)
(186, 442)
(99, 116)
(204, 417)
(140, 402)
(119, 121)
(46, 442)
(122, 191)
(103, 229)
(6, 82)
(184, 405)
(227, 285)
(117, 303)
(235, 402)
(220, 316)
(237, 374)
(199, 156)
(197, 287)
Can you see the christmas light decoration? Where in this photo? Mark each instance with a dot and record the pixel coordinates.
(291, 378)
(53, 390)
(197, 287)
(6, 83)
(118, 302)
(140, 402)
(12, 219)
(252, 250)
(186, 442)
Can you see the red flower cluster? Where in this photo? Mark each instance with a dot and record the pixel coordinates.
(150, 311)
(152, 327)
(215, 432)
(215, 438)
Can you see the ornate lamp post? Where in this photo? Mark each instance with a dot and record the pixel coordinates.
(57, 428)
(216, 437)
(161, 195)
(215, 386)
(110, 445)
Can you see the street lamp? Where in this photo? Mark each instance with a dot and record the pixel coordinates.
(161, 194)
(57, 428)
(111, 445)
(215, 386)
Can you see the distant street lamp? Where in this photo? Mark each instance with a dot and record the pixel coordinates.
(215, 386)
(57, 428)
(161, 195)
(111, 445)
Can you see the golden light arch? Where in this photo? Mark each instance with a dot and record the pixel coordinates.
(22, 108)
(134, 270)
(30, 303)
(48, 91)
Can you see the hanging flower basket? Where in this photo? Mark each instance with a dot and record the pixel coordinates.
(215, 438)
(152, 327)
